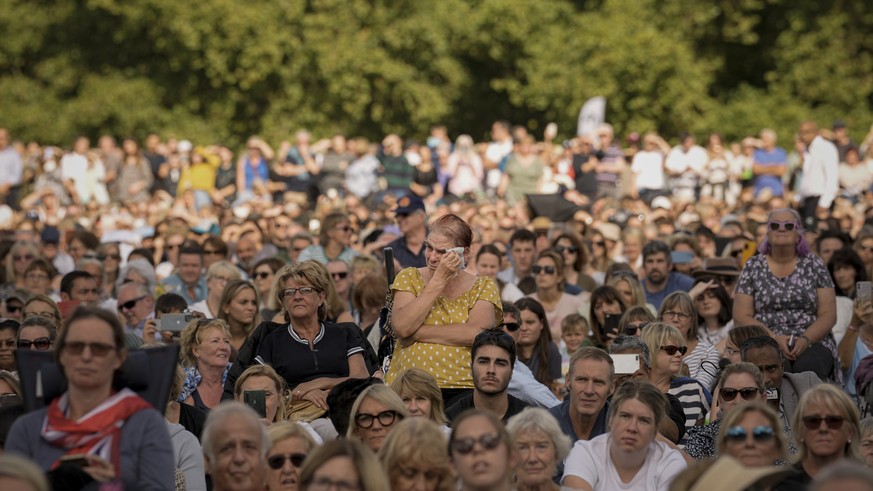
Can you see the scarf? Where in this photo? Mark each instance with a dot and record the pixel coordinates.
(193, 378)
(96, 433)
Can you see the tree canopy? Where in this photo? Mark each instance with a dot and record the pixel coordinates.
(225, 69)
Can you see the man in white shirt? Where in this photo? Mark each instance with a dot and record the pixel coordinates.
(11, 167)
(685, 163)
(820, 182)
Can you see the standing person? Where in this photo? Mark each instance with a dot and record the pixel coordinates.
(648, 167)
(770, 164)
(439, 310)
(523, 174)
(684, 165)
(412, 221)
(134, 175)
(466, 168)
(235, 445)
(612, 163)
(629, 456)
(660, 281)
(123, 438)
(396, 169)
(820, 183)
(493, 356)
(788, 289)
(11, 167)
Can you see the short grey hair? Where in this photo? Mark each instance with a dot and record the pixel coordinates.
(866, 427)
(624, 344)
(538, 419)
(842, 471)
(215, 422)
(142, 268)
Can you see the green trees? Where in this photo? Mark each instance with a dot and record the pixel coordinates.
(224, 69)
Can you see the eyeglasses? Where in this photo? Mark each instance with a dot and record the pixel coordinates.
(488, 441)
(787, 225)
(510, 326)
(571, 249)
(340, 275)
(543, 269)
(26, 257)
(173, 246)
(386, 418)
(676, 314)
(13, 308)
(114, 257)
(866, 248)
(326, 483)
(631, 329)
(738, 434)
(39, 344)
(44, 315)
(306, 290)
(814, 422)
(277, 461)
(599, 243)
(99, 350)
(262, 275)
(747, 393)
(10, 399)
(129, 304)
(672, 350)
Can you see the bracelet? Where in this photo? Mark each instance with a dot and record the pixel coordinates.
(808, 341)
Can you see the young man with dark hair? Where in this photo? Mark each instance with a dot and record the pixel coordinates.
(79, 286)
(188, 280)
(660, 281)
(522, 249)
(493, 356)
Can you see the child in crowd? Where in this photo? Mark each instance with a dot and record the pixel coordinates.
(574, 335)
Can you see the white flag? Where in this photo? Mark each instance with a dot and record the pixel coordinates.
(592, 115)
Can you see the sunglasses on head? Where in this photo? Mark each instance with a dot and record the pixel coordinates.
(543, 269)
(672, 350)
(814, 422)
(39, 344)
(747, 393)
(738, 434)
(488, 441)
(277, 461)
(563, 249)
(789, 225)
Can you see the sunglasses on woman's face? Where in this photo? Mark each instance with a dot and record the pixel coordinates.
(277, 461)
(570, 249)
(738, 434)
(39, 344)
(832, 422)
(543, 269)
(510, 326)
(488, 441)
(775, 225)
(747, 393)
(632, 329)
(672, 350)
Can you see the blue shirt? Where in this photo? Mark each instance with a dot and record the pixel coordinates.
(174, 284)
(773, 158)
(561, 412)
(406, 257)
(676, 282)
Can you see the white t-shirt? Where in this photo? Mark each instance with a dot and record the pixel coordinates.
(590, 460)
(649, 169)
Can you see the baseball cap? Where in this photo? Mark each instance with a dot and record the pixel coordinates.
(408, 204)
(50, 235)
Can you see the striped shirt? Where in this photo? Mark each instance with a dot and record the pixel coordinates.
(695, 401)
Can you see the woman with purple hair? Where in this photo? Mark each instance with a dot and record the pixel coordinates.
(789, 290)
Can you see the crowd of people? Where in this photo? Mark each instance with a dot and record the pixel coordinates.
(594, 314)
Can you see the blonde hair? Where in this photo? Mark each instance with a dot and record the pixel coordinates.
(223, 266)
(309, 272)
(27, 245)
(230, 292)
(638, 296)
(192, 336)
(270, 373)
(284, 430)
(23, 469)
(371, 476)
(416, 381)
(736, 415)
(659, 334)
(421, 442)
(384, 396)
(837, 399)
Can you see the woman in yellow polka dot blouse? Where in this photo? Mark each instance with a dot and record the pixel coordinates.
(440, 308)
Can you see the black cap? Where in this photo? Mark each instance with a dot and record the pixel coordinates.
(50, 235)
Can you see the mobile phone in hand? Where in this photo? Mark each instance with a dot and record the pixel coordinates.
(864, 292)
(257, 400)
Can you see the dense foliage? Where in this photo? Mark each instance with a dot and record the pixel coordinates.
(224, 69)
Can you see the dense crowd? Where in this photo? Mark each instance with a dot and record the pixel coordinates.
(593, 314)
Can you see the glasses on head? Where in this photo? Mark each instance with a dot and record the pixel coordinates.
(676, 315)
(747, 393)
(510, 326)
(44, 315)
(672, 350)
(39, 344)
(97, 349)
(129, 304)
(488, 441)
(114, 257)
(277, 461)
(261, 275)
(386, 418)
(789, 225)
(632, 329)
(543, 269)
(306, 290)
(341, 275)
(814, 422)
(738, 434)
(26, 257)
(570, 249)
